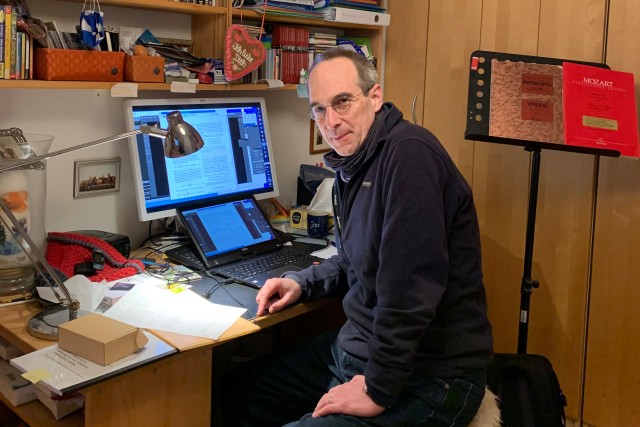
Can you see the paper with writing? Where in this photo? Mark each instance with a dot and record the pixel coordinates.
(185, 313)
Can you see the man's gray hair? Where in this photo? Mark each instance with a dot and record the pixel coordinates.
(367, 74)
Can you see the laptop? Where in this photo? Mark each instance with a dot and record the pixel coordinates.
(235, 240)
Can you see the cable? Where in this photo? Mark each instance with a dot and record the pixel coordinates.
(220, 285)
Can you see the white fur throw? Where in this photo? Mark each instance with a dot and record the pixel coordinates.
(489, 413)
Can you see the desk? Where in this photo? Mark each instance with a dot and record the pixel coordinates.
(154, 394)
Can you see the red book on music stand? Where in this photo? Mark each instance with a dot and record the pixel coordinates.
(599, 108)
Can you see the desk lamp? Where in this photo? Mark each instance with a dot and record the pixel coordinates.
(181, 139)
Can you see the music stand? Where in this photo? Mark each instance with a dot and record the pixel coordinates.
(478, 118)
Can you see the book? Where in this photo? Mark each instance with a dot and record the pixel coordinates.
(18, 62)
(526, 101)
(1, 42)
(7, 42)
(55, 35)
(292, 4)
(14, 44)
(356, 16)
(600, 109)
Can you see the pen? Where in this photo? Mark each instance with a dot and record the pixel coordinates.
(158, 264)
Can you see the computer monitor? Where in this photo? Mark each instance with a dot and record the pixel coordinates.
(237, 158)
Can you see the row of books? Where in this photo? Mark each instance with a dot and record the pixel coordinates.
(16, 47)
(289, 50)
(203, 2)
(367, 12)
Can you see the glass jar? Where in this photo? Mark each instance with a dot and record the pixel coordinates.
(23, 190)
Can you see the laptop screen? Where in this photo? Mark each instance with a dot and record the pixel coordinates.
(228, 227)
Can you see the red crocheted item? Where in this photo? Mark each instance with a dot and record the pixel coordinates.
(65, 250)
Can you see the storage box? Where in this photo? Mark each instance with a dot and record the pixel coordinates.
(144, 69)
(60, 406)
(100, 339)
(85, 65)
(16, 389)
(7, 350)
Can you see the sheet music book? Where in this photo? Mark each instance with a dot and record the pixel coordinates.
(600, 109)
(526, 101)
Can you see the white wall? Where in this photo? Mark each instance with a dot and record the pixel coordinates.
(77, 116)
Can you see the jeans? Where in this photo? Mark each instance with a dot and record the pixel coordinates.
(284, 389)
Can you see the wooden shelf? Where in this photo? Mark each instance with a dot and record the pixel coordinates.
(295, 20)
(43, 84)
(209, 22)
(164, 6)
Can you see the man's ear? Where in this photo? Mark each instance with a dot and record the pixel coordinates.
(375, 94)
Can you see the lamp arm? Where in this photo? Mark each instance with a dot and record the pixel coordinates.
(7, 165)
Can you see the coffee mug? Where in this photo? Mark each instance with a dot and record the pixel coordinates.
(317, 223)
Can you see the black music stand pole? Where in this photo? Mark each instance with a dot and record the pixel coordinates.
(526, 288)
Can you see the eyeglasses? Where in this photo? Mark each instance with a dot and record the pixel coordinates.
(340, 105)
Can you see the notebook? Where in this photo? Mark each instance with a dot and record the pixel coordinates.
(235, 240)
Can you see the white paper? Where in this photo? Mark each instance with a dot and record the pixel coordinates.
(182, 87)
(124, 90)
(272, 83)
(327, 252)
(88, 293)
(184, 313)
(60, 370)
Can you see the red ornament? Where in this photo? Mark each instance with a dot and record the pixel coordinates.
(242, 53)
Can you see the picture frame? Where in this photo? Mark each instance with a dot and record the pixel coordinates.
(317, 144)
(96, 177)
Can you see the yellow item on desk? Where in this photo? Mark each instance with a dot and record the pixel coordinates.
(298, 218)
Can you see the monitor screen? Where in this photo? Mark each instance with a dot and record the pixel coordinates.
(237, 158)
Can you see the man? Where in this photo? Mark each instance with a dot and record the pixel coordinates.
(417, 341)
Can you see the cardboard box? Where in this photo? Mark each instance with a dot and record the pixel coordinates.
(60, 406)
(16, 389)
(100, 339)
(81, 65)
(141, 69)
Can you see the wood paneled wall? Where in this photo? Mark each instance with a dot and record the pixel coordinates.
(613, 376)
(585, 241)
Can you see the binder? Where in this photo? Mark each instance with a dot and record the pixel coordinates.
(357, 16)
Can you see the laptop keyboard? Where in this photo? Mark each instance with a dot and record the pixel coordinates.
(186, 256)
(239, 269)
(259, 264)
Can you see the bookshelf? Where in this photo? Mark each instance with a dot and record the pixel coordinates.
(208, 28)
(80, 85)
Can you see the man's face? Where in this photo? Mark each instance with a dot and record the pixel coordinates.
(335, 81)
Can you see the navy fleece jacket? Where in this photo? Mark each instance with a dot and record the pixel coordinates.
(409, 262)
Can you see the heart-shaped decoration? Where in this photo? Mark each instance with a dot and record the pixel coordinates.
(242, 53)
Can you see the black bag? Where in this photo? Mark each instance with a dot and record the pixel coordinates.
(528, 389)
(308, 181)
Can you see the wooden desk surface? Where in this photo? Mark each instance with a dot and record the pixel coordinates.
(168, 373)
(14, 319)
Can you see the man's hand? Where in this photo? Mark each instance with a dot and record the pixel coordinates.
(348, 398)
(276, 294)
